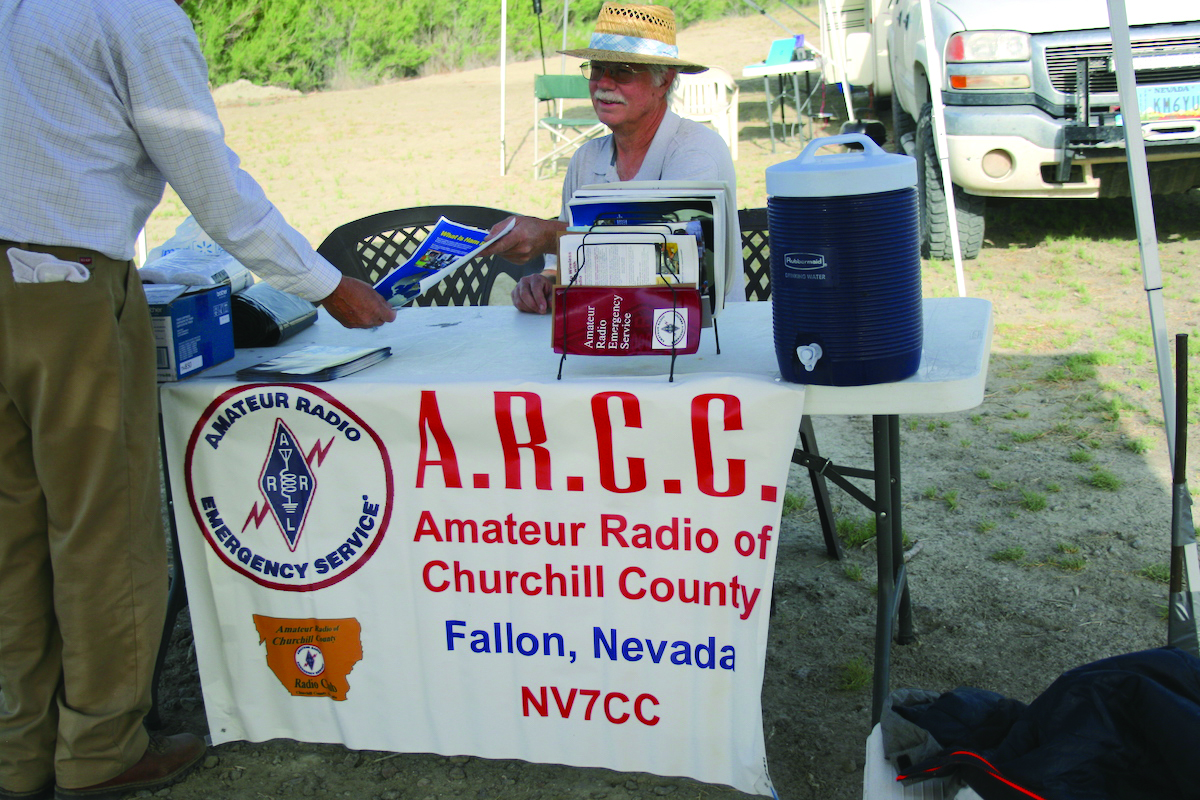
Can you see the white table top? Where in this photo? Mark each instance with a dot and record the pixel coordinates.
(498, 343)
(762, 69)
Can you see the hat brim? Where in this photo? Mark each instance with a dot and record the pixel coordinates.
(619, 57)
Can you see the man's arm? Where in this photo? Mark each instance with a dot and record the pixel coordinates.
(529, 238)
(177, 123)
(356, 304)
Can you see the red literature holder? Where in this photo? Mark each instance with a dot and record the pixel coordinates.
(626, 320)
(662, 318)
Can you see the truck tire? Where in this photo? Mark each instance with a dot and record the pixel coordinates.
(902, 125)
(931, 201)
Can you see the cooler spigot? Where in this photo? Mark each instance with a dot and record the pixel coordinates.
(809, 354)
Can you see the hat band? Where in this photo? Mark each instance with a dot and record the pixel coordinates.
(633, 44)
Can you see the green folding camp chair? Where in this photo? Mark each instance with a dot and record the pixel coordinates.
(568, 128)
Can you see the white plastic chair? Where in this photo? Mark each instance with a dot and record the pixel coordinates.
(712, 97)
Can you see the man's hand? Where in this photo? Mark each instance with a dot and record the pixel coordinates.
(356, 305)
(532, 293)
(529, 238)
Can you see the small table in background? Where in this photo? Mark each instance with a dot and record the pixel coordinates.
(794, 69)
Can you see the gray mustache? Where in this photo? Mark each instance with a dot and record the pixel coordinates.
(609, 97)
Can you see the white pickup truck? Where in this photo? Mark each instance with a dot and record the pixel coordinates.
(1030, 96)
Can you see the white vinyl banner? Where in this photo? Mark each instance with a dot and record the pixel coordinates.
(575, 573)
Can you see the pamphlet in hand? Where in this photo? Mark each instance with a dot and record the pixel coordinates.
(315, 363)
(448, 246)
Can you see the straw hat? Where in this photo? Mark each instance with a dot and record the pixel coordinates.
(635, 34)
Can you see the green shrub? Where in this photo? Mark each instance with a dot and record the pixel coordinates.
(304, 44)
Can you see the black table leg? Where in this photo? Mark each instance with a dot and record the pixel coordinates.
(904, 634)
(892, 599)
(808, 441)
(886, 576)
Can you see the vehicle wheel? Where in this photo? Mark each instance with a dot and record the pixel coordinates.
(902, 125)
(931, 201)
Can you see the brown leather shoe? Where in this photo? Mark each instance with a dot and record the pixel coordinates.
(166, 760)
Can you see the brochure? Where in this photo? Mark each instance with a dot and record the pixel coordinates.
(448, 246)
(315, 363)
(634, 256)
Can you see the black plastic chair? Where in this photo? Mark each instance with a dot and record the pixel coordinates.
(756, 260)
(370, 247)
(756, 252)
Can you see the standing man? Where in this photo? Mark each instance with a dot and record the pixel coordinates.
(633, 62)
(101, 103)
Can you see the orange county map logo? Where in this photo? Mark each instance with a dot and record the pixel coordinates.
(311, 657)
(289, 486)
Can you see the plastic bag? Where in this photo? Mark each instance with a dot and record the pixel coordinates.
(196, 268)
(188, 236)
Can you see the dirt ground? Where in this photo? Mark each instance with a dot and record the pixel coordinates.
(1038, 523)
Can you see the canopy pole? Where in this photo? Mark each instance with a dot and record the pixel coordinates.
(1181, 625)
(562, 62)
(503, 82)
(942, 145)
(1143, 208)
(763, 11)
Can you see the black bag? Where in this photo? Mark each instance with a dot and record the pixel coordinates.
(264, 316)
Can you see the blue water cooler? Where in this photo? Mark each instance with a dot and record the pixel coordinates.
(845, 265)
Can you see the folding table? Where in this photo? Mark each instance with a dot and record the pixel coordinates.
(489, 341)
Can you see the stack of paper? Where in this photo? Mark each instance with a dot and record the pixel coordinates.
(641, 202)
(636, 256)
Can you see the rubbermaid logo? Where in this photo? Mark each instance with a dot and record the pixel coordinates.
(804, 261)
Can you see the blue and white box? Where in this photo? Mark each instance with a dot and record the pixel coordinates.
(193, 327)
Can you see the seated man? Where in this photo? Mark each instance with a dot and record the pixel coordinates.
(632, 68)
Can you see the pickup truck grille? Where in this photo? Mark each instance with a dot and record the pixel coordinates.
(1060, 62)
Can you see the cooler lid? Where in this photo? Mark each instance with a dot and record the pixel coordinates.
(868, 171)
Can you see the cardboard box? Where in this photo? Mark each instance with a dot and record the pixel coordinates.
(193, 327)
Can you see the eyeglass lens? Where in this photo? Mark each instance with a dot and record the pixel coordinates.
(621, 73)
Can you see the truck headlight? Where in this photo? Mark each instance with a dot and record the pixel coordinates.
(976, 46)
(985, 55)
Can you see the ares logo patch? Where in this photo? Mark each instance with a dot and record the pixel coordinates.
(287, 483)
(291, 488)
(310, 660)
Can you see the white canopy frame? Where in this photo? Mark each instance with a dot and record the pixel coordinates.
(1181, 622)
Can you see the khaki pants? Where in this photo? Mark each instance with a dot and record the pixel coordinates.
(83, 572)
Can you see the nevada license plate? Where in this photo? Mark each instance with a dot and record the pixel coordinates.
(1169, 101)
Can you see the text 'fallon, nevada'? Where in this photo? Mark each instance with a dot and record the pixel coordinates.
(506, 639)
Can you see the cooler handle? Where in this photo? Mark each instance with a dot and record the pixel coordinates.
(871, 150)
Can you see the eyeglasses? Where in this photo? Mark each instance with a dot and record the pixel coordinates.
(620, 73)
